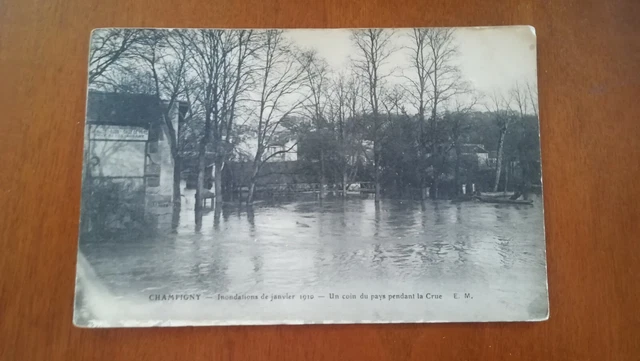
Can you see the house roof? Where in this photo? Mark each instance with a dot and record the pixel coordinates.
(122, 109)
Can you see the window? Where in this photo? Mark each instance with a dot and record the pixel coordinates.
(274, 149)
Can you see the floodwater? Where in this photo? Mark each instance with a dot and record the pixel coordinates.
(486, 260)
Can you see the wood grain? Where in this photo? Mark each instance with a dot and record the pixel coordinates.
(589, 63)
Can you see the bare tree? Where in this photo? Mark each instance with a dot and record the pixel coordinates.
(281, 82)
(339, 110)
(349, 102)
(520, 102)
(220, 63)
(209, 52)
(392, 99)
(165, 53)
(520, 99)
(236, 81)
(525, 102)
(109, 47)
(532, 96)
(317, 79)
(458, 125)
(127, 80)
(418, 88)
(374, 49)
(500, 107)
(437, 51)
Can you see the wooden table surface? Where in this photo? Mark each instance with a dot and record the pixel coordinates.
(589, 66)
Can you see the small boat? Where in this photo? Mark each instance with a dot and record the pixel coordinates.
(462, 198)
(502, 200)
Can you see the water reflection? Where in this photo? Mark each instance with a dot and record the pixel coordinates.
(295, 246)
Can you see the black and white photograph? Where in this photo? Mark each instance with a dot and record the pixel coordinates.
(301, 176)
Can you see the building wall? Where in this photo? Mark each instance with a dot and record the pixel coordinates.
(114, 175)
(116, 151)
(290, 156)
(117, 158)
(248, 148)
(138, 156)
(159, 174)
(483, 159)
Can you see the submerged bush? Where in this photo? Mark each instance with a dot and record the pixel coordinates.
(113, 206)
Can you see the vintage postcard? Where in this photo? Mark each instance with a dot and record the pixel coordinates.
(269, 176)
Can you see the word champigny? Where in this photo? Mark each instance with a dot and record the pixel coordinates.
(175, 297)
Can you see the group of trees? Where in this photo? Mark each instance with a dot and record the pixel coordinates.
(371, 122)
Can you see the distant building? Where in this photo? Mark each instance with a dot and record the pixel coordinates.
(477, 152)
(285, 152)
(190, 170)
(127, 150)
(492, 161)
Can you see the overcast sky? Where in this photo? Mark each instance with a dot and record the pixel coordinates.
(490, 58)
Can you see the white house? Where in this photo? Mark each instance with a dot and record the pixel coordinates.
(127, 144)
(287, 151)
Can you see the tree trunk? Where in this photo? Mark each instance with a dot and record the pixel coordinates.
(376, 157)
(345, 158)
(436, 185)
(435, 146)
(503, 131)
(202, 151)
(422, 154)
(218, 182)
(252, 185)
(323, 181)
(456, 172)
(200, 183)
(252, 189)
(525, 180)
(177, 170)
(423, 176)
(217, 212)
(506, 177)
(376, 150)
(344, 182)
